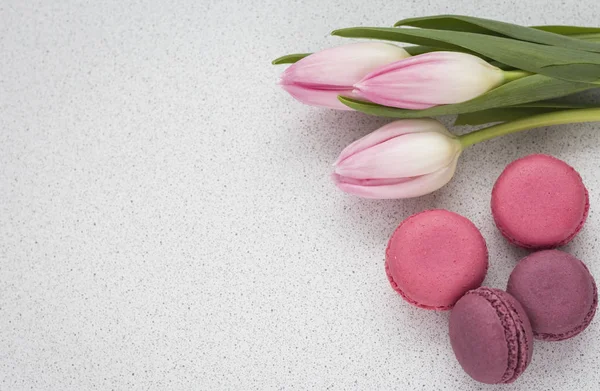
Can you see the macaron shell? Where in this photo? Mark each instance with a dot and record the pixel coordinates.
(539, 202)
(434, 257)
(478, 339)
(491, 336)
(558, 294)
(578, 329)
(525, 333)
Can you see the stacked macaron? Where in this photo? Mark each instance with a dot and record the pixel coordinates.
(438, 259)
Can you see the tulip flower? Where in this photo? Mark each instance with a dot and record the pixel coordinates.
(430, 79)
(319, 78)
(406, 158)
(413, 157)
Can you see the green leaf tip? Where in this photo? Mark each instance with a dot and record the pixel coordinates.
(290, 58)
(349, 101)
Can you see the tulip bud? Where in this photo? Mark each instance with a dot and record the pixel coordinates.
(403, 159)
(319, 78)
(428, 80)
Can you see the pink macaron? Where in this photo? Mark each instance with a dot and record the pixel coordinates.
(539, 202)
(434, 257)
(491, 336)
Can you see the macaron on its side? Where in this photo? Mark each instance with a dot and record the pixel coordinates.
(434, 257)
(558, 293)
(539, 202)
(524, 334)
(491, 336)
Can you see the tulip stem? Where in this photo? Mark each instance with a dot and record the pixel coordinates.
(515, 75)
(536, 121)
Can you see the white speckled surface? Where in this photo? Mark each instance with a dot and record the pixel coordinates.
(167, 221)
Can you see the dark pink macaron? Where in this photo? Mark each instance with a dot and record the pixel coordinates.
(539, 202)
(558, 293)
(491, 336)
(434, 257)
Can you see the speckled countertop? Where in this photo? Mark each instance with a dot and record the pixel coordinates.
(167, 221)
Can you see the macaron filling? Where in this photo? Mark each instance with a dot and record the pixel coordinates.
(514, 332)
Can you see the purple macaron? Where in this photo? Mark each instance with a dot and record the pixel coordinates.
(558, 293)
(491, 336)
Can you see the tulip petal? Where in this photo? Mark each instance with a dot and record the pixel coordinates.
(391, 130)
(429, 80)
(369, 182)
(415, 187)
(342, 66)
(407, 155)
(322, 98)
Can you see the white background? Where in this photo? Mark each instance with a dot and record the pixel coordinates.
(167, 220)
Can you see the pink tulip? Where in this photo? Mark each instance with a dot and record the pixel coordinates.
(428, 80)
(403, 159)
(319, 78)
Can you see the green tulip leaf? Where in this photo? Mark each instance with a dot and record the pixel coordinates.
(505, 114)
(568, 30)
(532, 57)
(290, 58)
(582, 33)
(500, 29)
(526, 90)
(595, 37)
